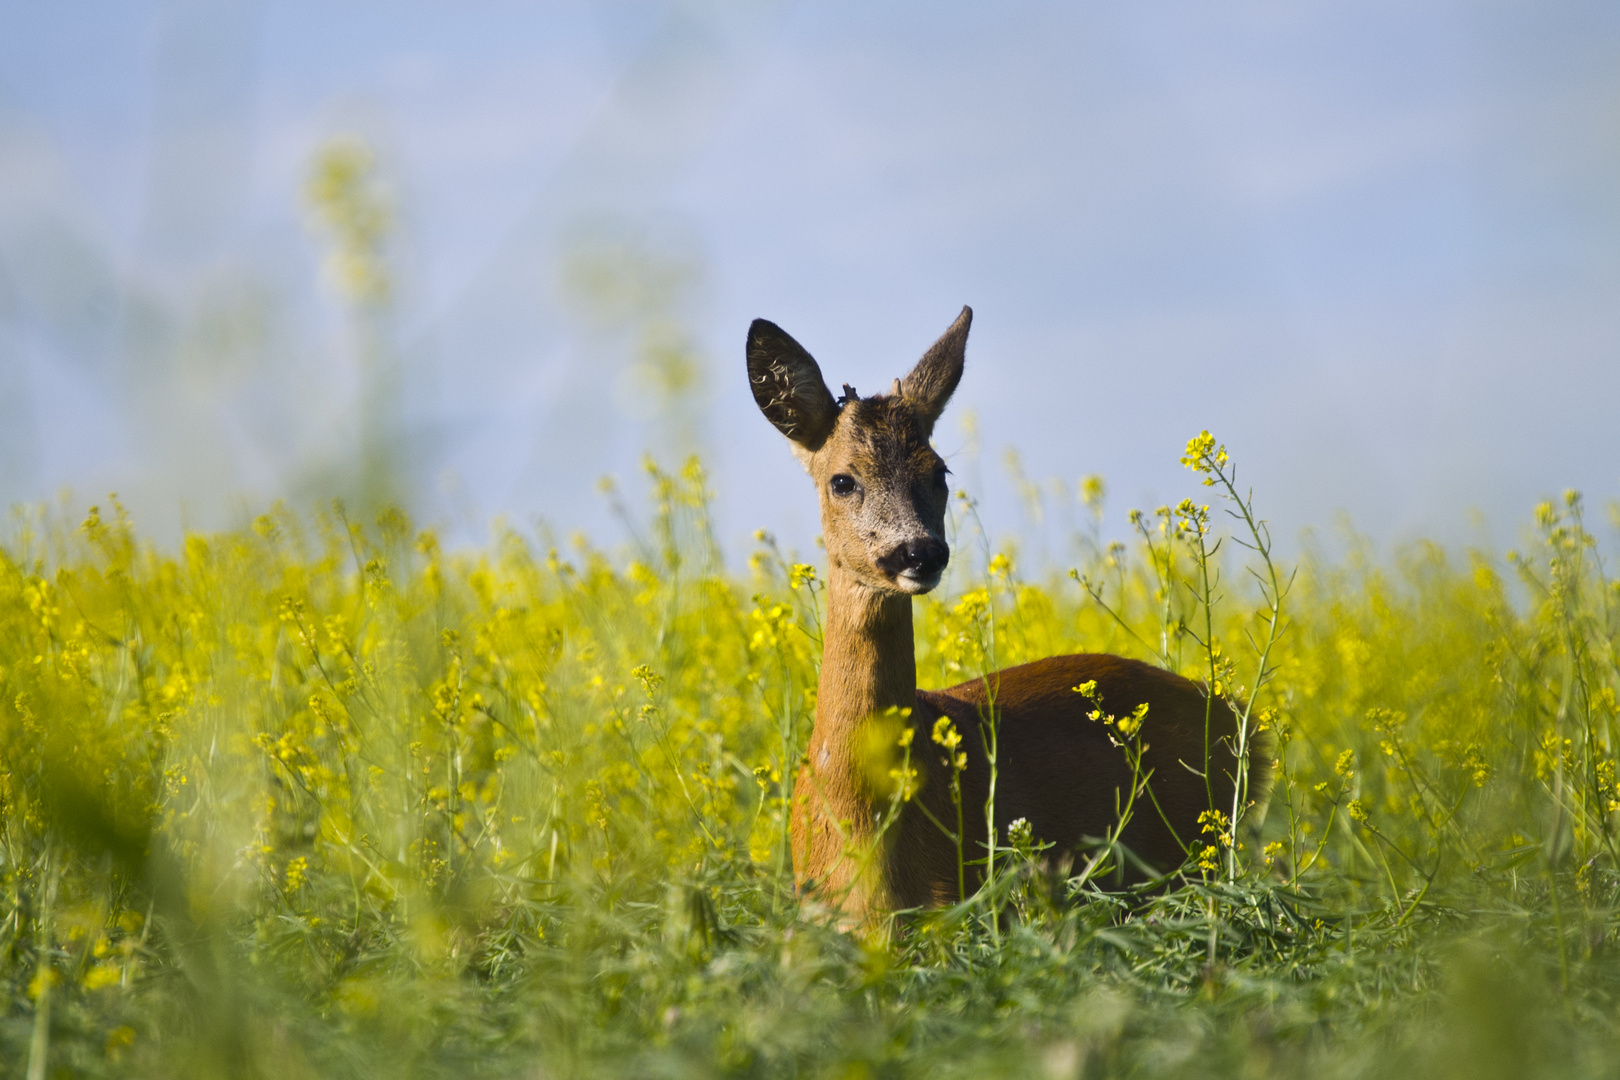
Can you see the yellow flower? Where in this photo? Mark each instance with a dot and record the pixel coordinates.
(905, 778)
(1213, 821)
(1092, 491)
(103, 974)
(1198, 448)
(1131, 724)
(297, 873)
(44, 978)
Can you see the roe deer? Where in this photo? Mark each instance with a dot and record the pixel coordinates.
(883, 496)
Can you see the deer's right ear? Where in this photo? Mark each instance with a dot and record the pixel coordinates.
(788, 387)
(933, 381)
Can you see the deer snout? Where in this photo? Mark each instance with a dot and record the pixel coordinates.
(917, 563)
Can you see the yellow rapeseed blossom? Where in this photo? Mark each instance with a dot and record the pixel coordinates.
(344, 734)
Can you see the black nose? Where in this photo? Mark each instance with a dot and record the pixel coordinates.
(924, 558)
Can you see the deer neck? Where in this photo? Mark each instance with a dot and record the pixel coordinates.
(867, 667)
(868, 664)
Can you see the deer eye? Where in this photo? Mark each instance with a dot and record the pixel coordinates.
(842, 484)
(939, 476)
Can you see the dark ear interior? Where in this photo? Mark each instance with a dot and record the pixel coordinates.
(932, 382)
(788, 387)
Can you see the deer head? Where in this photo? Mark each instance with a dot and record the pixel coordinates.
(882, 487)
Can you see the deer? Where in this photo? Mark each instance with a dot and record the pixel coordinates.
(883, 492)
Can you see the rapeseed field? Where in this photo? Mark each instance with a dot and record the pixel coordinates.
(318, 798)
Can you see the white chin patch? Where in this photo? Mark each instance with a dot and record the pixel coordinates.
(916, 584)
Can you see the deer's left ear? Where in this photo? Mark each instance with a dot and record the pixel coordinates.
(788, 387)
(932, 382)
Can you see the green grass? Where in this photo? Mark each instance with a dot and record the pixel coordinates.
(317, 798)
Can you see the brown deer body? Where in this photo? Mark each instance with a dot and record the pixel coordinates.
(883, 497)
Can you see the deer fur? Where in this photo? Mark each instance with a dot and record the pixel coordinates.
(883, 494)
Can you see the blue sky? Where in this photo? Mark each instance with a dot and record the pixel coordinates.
(1374, 247)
